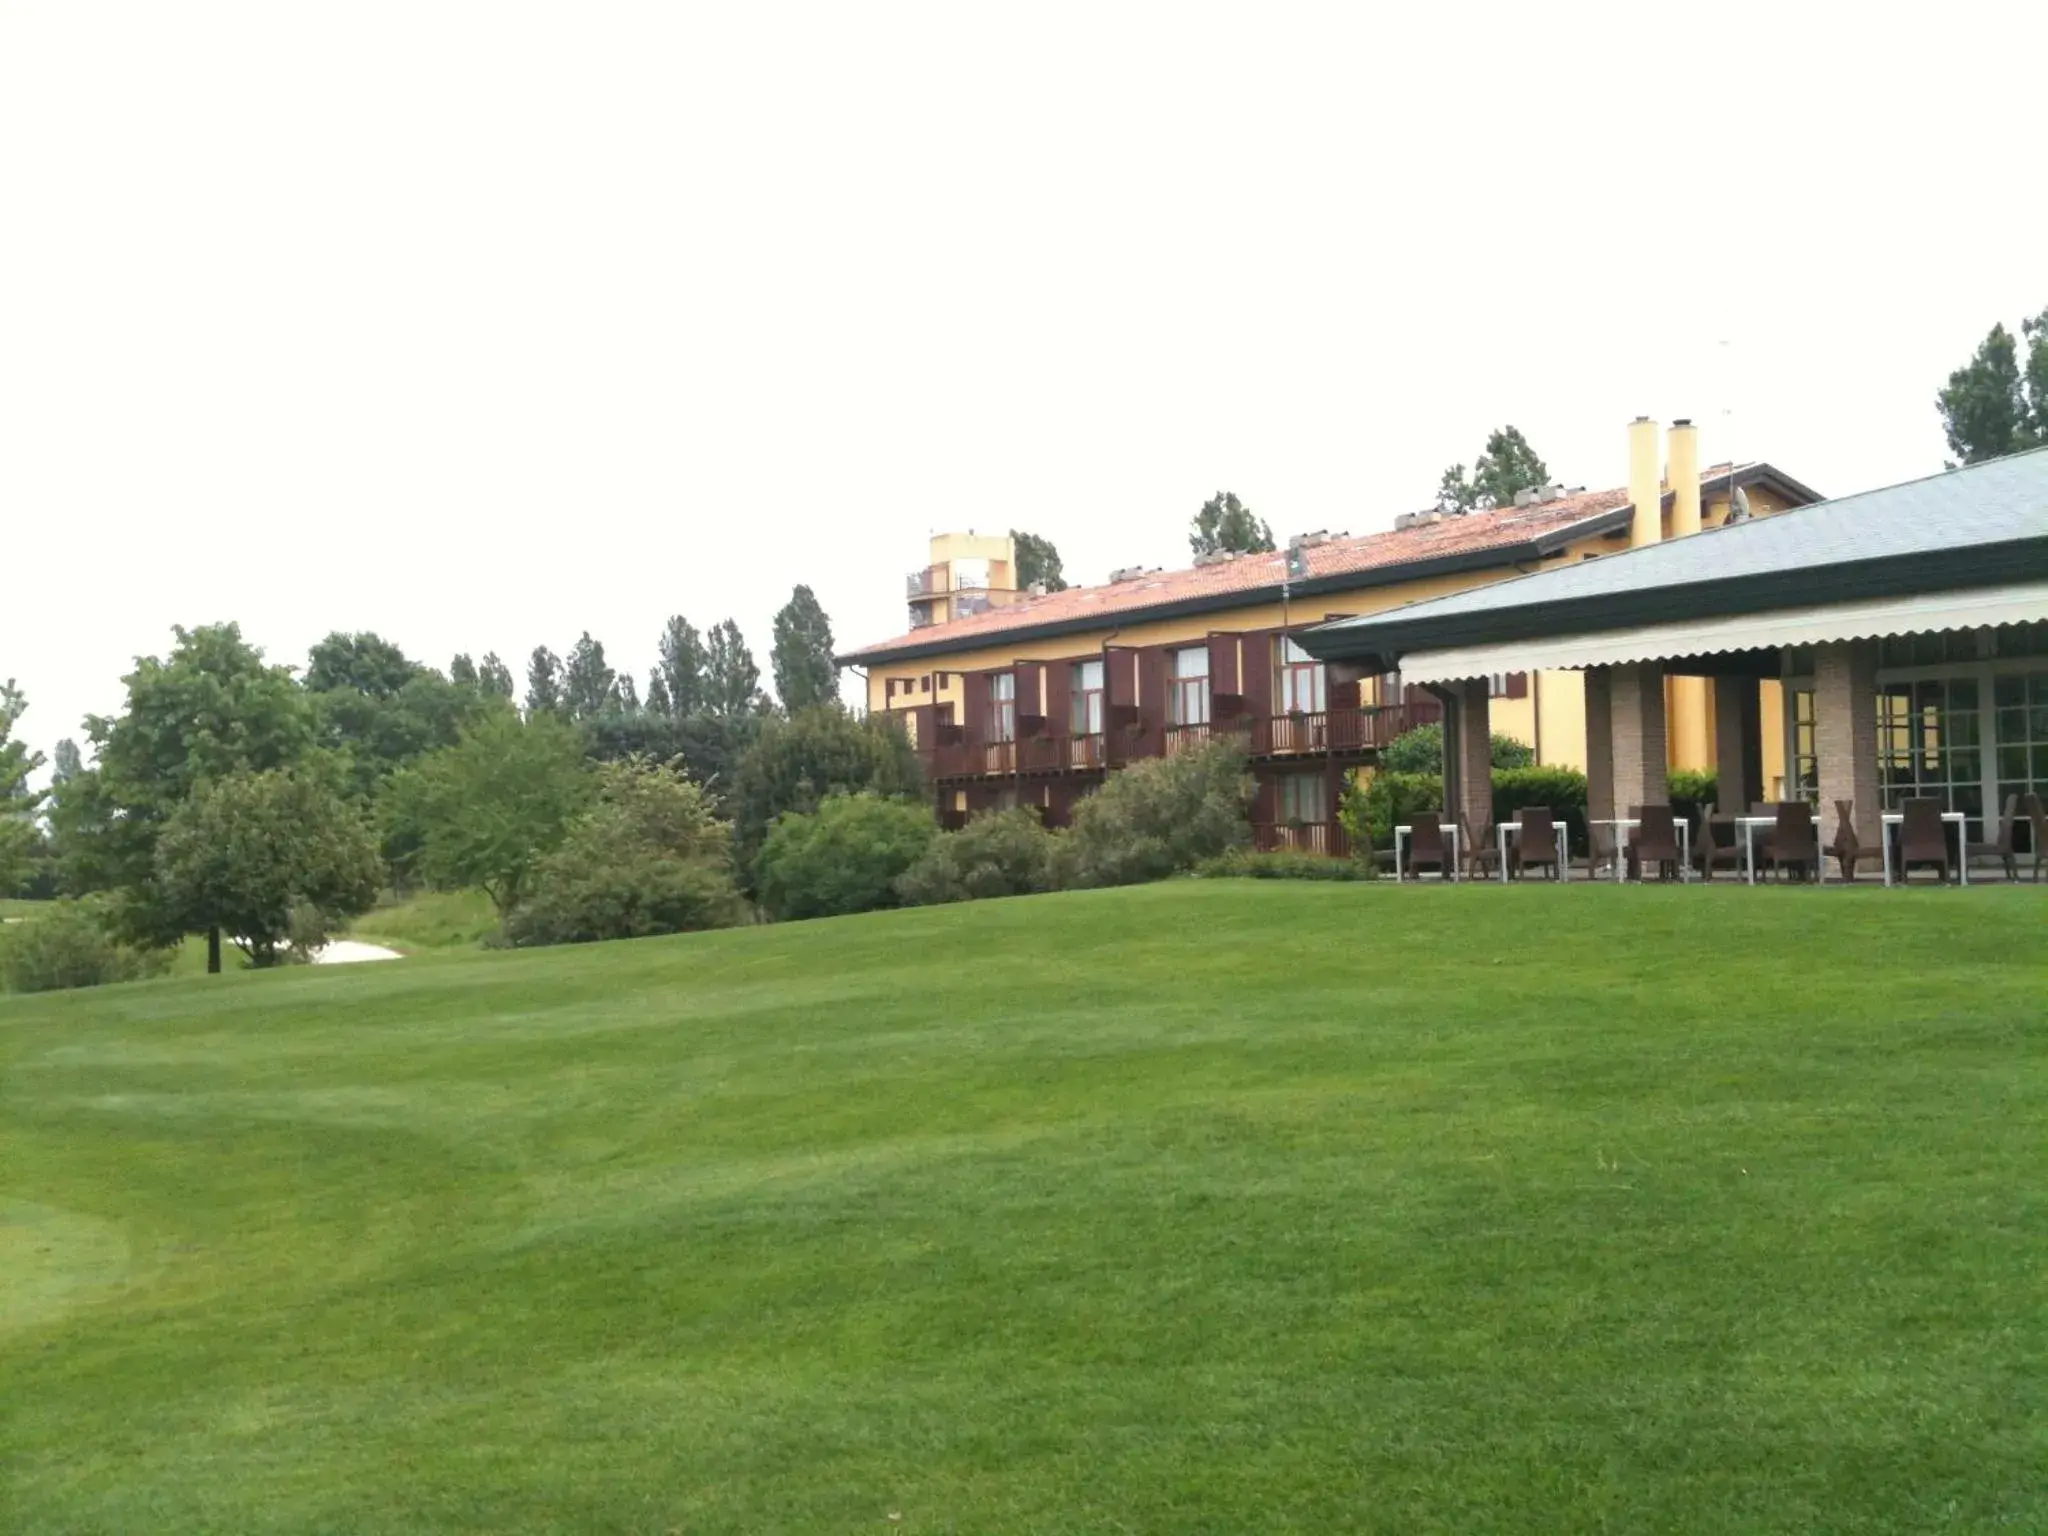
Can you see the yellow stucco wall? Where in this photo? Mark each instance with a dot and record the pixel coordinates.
(1552, 718)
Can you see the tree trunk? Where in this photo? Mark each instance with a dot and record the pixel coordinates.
(213, 951)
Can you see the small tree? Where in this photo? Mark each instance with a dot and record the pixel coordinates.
(1506, 467)
(795, 763)
(647, 857)
(1038, 562)
(589, 685)
(71, 944)
(1422, 751)
(1157, 818)
(682, 667)
(1991, 406)
(462, 671)
(1226, 525)
(732, 683)
(19, 835)
(844, 857)
(270, 859)
(543, 682)
(1006, 853)
(482, 813)
(494, 677)
(805, 676)
(363, 663)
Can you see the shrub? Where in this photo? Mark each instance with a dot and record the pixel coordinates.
(1287, 864)
(1422, 751)
(1385, 801)
(798, 763)
(1562, 789)
(648, 857)
(1692, 788)
(1157, 818)
(1008, 853)
(70, 945)
(844, 857)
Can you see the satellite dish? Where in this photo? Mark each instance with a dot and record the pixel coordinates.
(1738, 506)
(1297, 562)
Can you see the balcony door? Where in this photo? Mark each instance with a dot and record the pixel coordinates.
(1302, 680)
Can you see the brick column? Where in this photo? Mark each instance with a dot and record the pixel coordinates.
(1640, 772)
(1475, 754)
(1738, 744)
(1845, 733)
(1599, 745)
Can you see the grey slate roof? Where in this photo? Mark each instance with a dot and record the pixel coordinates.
(1964, 527)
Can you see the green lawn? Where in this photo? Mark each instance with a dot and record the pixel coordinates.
(1203, 1207)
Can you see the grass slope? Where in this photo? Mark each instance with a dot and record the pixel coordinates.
(429, 920)
(1201, 1207)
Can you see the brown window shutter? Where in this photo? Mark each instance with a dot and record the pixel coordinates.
(1030, 690)
(1257, 683)
(1518, 685)
(1059, 697)
(1223, 664)
(1152, 684)
(1266, 802)
(975, 694)
(1344, 695)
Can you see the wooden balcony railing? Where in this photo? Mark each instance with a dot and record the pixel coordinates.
(1320, 837)
(1301, 735)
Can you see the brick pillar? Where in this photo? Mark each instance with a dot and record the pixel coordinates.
(1599, 745)
(1845, 732)
(1475, 754)
(1640, 772)
(1733, 726)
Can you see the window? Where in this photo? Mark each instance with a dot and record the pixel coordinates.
(2022, 702)
(1929, 743)
(1507, 685)
(1088, 698)
(1002, 707)
(1189, 702)
(1805, 759)
(1304, 799)
(1301, 680)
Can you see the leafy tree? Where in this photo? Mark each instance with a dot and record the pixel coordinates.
(543, 682)
(1992, 406)
(802, 654)
(846, 856)
(1422, 751)
(683, 662)
(708, 748)
(210, 709)
(647, 857)
(1157, 818)
(462, 671)
(625, 697)
(1226, 525)
(794, 764)
(65, 763)
(19, 835)
(658, 701)
(589, 685)
(1038, 562)
(1005, 853)
(1507, 466)
(483, 812)
(732, 683)
(494, 677)
(274, 859)
(363, 663)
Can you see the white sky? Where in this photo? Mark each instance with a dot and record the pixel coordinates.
(481, 324)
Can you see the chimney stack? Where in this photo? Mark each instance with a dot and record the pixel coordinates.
(1683, 459)
(1645, 490)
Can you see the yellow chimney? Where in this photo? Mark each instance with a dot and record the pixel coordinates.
(1644, 487)
(1683, 456)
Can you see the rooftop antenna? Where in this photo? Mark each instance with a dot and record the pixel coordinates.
(1738, 498)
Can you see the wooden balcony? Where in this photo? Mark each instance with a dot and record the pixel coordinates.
(1319, 837)
(1133, 738)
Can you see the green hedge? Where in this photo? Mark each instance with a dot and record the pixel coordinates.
(1692, 788)
(1562, 789)
(1283, 865)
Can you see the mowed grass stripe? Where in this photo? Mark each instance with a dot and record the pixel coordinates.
(1202, 1207)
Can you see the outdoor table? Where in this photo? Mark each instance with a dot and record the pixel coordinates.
(1451, 830)
(1954, 818)
(1623, 823)
(1564, 870)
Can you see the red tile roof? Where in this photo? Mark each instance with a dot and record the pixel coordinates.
(1509, 530)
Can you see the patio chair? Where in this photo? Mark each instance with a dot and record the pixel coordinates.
(1478, 850)
(1426, 845)
(2037, 818)
(1655, 841)
(2000, 847)
(1847, 849)
(1536, 844)
(1714, 843)
(1923, 837)
(1599, 849)
(1794, 842)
